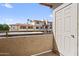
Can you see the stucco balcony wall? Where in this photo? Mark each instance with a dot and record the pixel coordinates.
(27, 45)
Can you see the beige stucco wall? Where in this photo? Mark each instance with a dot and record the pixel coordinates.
(78, 30)
(28, 45)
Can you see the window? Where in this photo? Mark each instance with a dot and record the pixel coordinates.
(50, 27)
(46, 27)
(37, 22)
(13, 27)
(37, 27)
(41, 27)
(30, 27)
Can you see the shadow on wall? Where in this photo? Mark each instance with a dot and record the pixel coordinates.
(55, 47)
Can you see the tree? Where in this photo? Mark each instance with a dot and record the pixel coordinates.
(4, 28)
(28, 21)
(1, 27)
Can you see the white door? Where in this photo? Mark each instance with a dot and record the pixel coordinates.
(66, 30)
(70, 30)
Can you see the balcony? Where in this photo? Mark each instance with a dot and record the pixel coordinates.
(29, 45)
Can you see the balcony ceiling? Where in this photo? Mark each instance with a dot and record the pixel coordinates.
(51, 5)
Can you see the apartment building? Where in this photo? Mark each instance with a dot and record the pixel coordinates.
(20, 27)
(42, 25)
(35, 25)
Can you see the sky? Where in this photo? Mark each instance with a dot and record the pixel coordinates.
(20, 12)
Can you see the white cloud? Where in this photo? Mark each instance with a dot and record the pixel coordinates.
(50, 15)
(7, 5)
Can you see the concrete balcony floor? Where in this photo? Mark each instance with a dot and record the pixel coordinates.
(49, 54)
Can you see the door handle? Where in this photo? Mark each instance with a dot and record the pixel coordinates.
(72, 36)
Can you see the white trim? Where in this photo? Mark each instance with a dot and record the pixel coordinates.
(41, 53)
(61, 54)
(61, 6)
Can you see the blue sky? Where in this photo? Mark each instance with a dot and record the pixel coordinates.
(20, 12)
